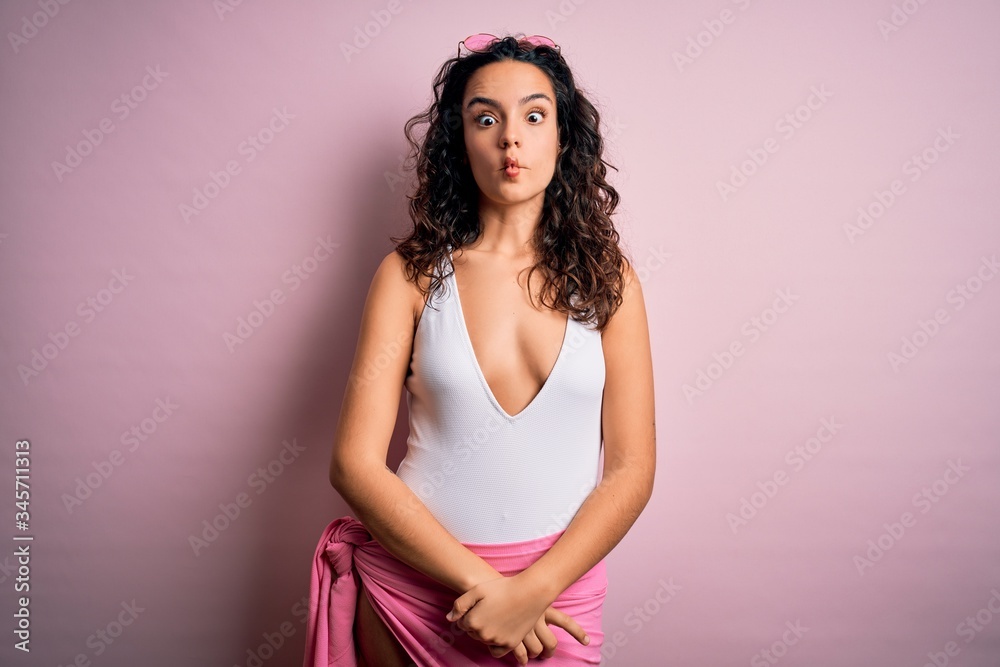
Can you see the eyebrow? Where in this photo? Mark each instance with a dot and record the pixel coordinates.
(493, 103)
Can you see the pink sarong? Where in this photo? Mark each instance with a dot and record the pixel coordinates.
(413, 606)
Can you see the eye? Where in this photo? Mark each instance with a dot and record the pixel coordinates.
(539, 113)
(486, 116)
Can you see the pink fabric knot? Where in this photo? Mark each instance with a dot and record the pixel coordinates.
(341, 537)
(413, 606)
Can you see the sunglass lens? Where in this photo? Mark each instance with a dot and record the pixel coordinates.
(478, 42)
(538, 40)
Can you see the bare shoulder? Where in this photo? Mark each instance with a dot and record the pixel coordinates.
(631, 314)
(391, 284)
(388, 323)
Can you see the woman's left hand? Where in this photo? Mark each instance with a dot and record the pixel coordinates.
(499, 612)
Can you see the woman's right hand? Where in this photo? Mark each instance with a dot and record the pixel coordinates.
(541, 641)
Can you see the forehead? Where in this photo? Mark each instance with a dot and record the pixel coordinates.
(508, 80)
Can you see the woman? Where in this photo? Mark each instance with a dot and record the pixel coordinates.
(491, 536)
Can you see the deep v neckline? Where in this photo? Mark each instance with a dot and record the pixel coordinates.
(475, 359)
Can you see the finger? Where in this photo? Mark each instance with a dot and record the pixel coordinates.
(464, 619)
(520, 654)
(566, 622)
(545, 638)
(463, 624)
(532, 645)
(462, 604)
(499, 651)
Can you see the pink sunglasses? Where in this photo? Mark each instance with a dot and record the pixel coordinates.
(481, 42)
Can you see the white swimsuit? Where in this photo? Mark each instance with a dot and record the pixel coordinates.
(489, 477)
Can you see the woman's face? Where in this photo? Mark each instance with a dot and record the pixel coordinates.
(509, 110)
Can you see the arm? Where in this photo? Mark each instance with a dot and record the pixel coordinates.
(629, 429)
(394, 515)
(391, 512)
(628, 424)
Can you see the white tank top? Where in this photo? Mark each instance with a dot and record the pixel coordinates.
(489, 477)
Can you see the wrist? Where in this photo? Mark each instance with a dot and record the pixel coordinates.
(472, 579)
(539, 581)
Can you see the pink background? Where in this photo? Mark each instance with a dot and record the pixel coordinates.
(689, 585)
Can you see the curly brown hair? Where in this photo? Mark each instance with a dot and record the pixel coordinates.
(577, 243)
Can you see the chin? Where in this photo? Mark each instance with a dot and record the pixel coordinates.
(519, 198)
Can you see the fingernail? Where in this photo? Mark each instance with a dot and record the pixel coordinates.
(586, 639)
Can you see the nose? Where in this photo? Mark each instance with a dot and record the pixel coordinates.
(507, 137)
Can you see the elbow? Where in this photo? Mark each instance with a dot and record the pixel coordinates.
(635, 481)
(642, 493)
(642, 480)
(648, 480)
(646, 496)
(338, 475)
(346, 476)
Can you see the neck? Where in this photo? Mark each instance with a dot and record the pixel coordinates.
(509, 229)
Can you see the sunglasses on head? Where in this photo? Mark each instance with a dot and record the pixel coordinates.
(482, 42)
